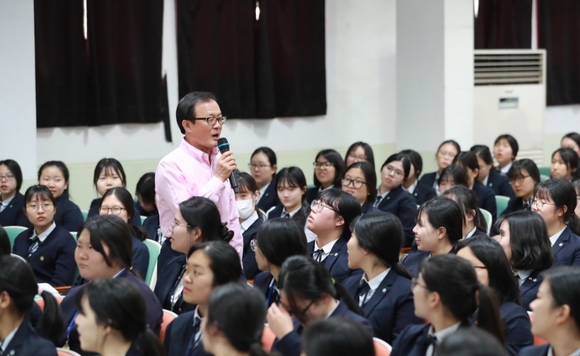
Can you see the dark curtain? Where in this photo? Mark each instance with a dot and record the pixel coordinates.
(61, 63)
(291, 73)
(559, 34)
(125, 44)
(216, 52)
(504, 24)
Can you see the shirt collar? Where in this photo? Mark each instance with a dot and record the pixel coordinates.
(291, 213)
(469, 234)
(332, 311)
(6, 202)
(412, 187)
(9, 338)
(196, 315)
(118, 273)
(263, 191)
(376, 282)
(383, 195)
(445, 332)
(326, 248)
(506, 169)
(555, 237)
(249, 221)
(525, 274)
(484, 181)
(45, 234)
(198, 154)
(551, 352)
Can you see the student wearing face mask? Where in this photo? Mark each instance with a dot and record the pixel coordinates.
(250, 220)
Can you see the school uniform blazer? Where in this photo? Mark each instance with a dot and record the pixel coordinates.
(165, 255)
(414, 340)
(368, 208)
(249, 256)
(413, 261)
(13, 215)
(299, 217)
(151, 225)
(428, 179)
(166, 282)
(529, 289)
(262, 283)
(27, 341)
(314, 192)
(567, 249)
(154, 312)
(68, 214)
(541, 350)
(141, 212)
(515, 204)
(337, 261)
(499, 184)
(423, 193)
(486, 199)
(517, 327)
(479, 233)
(290, 345)
(401, 203)
(54, 260)
(390, 309)
(94, 210)
(140, 261)
(178, 334)
(270, 197)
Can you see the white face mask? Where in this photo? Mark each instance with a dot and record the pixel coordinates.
(245, 208)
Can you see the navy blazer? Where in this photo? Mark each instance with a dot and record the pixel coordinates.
(151, 225)
(390, 309)
(423, 193)
(140, 261)
(515, 204)
(337, 261)
(27, 341)
(428, 179)
(368, 208)
(96, 203)
(567, 249)
(13, 215)
(165, 255)
(517, 327)
(141, 212)
(154, 312)
(270, 197)
(68, 214)
(529, 289)
(413, 261)
(249, 256)
(291, 343)
(414, 341)
(54, 260)
(479, 233)
(262, 283)
(499, 184)
(401, 203)
(178, 334)
(541, 350)
(167, 281)
(300, 216)
(486, 199)
(314, 192)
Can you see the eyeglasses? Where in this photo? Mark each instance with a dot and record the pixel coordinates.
(34, 206)
(357, 158)
(317, 206)
(258, 167)
(175, 223)
(211, 120)
(322, 164)
(392, 170)
(116, 210)
(356, 184)
(254, 244)
(447, 154)
(540, 204)
(298, 314)
(415, 282)
(8, 177)
(518, 179)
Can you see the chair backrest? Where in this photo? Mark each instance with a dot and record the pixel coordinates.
(74, 234)
(154, 250)
(544, 177)
(382, 348)
(143, 219)
(268, 338)
(63, 352)
(85, 214)
(488, 219)
(168, 317)
(537, 340)
(501, 202)
(12, 232)
(546, 171)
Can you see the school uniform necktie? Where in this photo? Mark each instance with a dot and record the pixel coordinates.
(286, 216)
(273, 296)
(317, 255)
(378, 201)
(362, 292)
(195, 337)
(34, 244)
(433, 342)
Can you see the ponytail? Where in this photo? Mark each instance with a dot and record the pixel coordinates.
(149, 343)
(139, 232)
(488, 313)
(344, 296)
(480, 222)
(50, 324)
(256, 349)
(401, 270)
(574, 224)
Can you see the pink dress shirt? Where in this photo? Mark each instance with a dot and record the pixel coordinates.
(187, 172)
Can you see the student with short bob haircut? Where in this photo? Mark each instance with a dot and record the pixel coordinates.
(337, 337)
(505, 151)
(452, 176)
(474, 223)
(263, 169)
(359, 152)
(360, 181)
(11, 200)
(564, 164)
(421, 192)
(328, 171)
(571, 140)
(523, 176)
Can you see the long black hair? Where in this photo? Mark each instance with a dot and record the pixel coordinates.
(203, 213)
(279, 239)
(337, 336)
(467, 200)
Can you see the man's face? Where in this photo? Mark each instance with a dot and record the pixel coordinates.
(198, 133)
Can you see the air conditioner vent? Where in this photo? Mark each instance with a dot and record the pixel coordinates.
(508, 68)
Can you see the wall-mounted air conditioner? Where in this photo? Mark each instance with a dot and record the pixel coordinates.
(510, 97)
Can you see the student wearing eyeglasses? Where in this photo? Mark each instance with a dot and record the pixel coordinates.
(328, 171)
(360, 181)
(11, 200)
(263, 168)
(48, 247)
(524, 175)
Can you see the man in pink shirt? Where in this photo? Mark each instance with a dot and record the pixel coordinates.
(196, 167)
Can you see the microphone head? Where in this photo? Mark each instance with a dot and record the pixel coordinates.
(222, 140)
(223, 144)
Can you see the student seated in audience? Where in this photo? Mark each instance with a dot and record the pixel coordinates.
(421, 192)
(564, 164)
(392, 197)
(524, 238)
(112, 320)
(445, 155)
(384, 291)
(474, 223)
(488, 176)
(209, 265)
(359, 152)
(576, 185)
(55, 176)
(447, 293)
(104, 251)
(251, 218)
(109, 173)
(330, 219)
(494, 271)
(197, 220)
(11, 201)
(471, 342)
(328, 171)
(308, 293)
(555, 201)
(118, 201)
(145, 193)
(277, 239)
(360, 181)
(18, 289)
(485, 195)
(505, 151)
(439, 228)
(5, 248)
(571, 140)
(292, 194)
(452, 176)
(523, 176)
(337, 337)
(47, 246)
(556, 313)
(263, 169)
(234, 322)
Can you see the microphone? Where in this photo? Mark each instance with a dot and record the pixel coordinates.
(224, 146)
